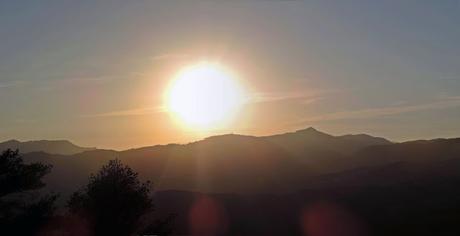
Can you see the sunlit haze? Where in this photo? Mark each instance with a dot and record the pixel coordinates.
(204, 96)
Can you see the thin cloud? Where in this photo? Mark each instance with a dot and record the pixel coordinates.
(10, 84)
(83, 79)
(387, 111)
(69, 81)
(170, 56)
(273, 97)
(92, 78)
(129, 112)
(305, 97)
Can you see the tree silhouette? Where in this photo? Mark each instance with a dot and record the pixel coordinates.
(114, 201)
(20, 212)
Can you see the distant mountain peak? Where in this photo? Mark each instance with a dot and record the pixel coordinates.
(311, 129)
(63, 147)
(308, 130)
(12, 141)
(61, 141)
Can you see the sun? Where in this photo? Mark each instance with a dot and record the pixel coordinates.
(204, 96)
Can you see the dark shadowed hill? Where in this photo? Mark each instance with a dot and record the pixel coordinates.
(400, 197)
(425, 205)
(275, 185)
(323, 151)
(225, 163)
(247, 164)
(311, 139)
(62, 147)
(419, 151)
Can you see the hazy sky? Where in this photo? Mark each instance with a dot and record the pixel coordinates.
(95, 73)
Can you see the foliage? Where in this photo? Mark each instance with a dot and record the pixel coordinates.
(20, 212)
(114, 201)
(15, 176)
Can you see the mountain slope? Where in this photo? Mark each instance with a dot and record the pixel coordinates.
(315, 140)
(62, 147)
(274, 164)
(404, 188)
(419, 151)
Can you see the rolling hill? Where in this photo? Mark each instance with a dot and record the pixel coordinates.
(247, 164)
(62, 147)
(388, 188)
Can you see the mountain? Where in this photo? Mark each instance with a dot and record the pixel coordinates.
(62, 147)
(323, 151)
(419, 151)
(369, 183)
(225, 163)
(420, 206)
(407, 188)
(270, 164)
(313, 139)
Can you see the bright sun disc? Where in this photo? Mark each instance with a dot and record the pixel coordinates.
(204, 96)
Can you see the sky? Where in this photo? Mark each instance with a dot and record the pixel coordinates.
(95, 72)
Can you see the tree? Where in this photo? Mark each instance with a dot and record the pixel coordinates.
(20, 211)
(114, 201)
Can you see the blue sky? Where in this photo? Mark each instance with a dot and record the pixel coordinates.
(93, 72)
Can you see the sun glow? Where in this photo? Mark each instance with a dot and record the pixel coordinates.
(204, 96)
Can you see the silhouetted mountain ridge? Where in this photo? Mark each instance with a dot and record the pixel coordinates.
(234, 163)
(418, 151)
(62, 147)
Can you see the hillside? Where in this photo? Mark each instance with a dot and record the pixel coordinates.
(243, 164)
(367, 182)
(62, 147)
